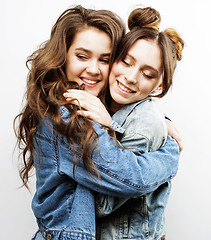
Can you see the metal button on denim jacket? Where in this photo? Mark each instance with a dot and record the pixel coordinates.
(64, 205)
(143, 128)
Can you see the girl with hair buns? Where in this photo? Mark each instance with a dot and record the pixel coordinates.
(144, 69)
(71, 154)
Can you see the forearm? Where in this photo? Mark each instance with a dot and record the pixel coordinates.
(123, 173)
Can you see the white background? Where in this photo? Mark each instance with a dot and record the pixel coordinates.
(26, 23)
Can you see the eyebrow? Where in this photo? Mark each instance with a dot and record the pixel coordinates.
(128, 55)
(88, 51)
(151, 68)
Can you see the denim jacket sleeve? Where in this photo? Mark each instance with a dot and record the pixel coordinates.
(122, 172)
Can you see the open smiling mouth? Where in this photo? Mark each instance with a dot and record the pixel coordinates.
(124, 88)
(89, 82)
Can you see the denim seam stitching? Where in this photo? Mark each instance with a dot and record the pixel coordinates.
(126, 182)
(44, 138)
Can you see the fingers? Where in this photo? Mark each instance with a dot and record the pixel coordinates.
(177, 136)
(80, 94)
(83, 113)
(77, 101)
(180, 146)
(180, 142)
(174, 133)
(90, 115)
(85, 100)
(73, 101)
(92, 107)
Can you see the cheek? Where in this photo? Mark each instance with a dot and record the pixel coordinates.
(115, 73)
(144, 86)
(105, 71)
(118, 69)
(111, 78)
(73, 68)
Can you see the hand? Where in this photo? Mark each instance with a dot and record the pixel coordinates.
(93, 107)
(174, 132)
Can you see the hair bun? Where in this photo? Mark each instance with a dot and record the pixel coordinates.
(176, 39)
(144, 17)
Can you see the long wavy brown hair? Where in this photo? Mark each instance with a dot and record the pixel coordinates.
(47, 81)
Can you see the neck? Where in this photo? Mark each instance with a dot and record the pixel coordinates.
(115, 106)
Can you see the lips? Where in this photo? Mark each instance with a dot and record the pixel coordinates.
(123, 88)
(90, 81)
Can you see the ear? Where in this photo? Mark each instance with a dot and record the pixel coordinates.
(159, 88)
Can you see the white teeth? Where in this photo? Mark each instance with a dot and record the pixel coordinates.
(89, 81)
(123, 88)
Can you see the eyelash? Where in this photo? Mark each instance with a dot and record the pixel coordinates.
(106, 61)
(148, 76)
(81, 57)
(144, 74)
(126, 63)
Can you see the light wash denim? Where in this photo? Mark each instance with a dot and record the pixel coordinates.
(143, 129)
(64, 205)
(37, 236)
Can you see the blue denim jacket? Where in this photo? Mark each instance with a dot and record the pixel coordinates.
(143, 128)
(64, 204)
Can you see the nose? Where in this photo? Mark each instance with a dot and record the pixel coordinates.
(132, 76)
(93, 67)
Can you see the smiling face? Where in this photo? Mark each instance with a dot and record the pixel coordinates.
(88, 59)
(136, 76)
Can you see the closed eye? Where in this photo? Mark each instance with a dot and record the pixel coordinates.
(105, 60)
(81, 57)
(148, 76)
(126, 63)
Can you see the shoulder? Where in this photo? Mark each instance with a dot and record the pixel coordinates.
(146, 120)
(146, 113)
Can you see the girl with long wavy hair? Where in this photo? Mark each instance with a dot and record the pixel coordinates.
(72, 155)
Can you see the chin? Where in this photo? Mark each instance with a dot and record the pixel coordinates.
(120, 101)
